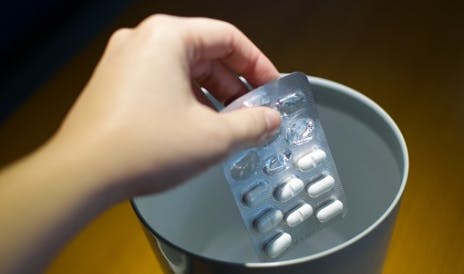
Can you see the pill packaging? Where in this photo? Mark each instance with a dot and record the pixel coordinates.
(287, 188)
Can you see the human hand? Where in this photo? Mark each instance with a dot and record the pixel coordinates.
(139, 126)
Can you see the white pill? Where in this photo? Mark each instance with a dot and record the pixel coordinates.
(310, 160)
(268, 220)
(329, 211)
(278, 245)
(321, 186)
(299, 215)
(256, 194)
(289, 190)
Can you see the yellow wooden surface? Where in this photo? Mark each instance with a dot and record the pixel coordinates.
(407, 57)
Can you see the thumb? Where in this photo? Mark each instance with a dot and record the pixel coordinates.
(251, 126)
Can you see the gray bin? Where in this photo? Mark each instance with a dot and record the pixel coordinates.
(196, 227)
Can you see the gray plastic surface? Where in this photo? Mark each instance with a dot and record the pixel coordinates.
(198, 221)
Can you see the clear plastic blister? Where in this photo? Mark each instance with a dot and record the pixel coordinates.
(287, 188)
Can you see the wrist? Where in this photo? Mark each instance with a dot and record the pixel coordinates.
(74, 167)
(55, 194)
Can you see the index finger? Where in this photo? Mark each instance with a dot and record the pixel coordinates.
(210, 39)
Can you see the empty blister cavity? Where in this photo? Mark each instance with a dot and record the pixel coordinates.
(310, 160)
(268, 220)
(260, 99)
(256, 194)
(291, 103)
(276, 163)
(299, 215)
(300, 131)
(273, 138)
(245, 166)
(289, 189)
(321, 186)
(277, 245)
(329, 211)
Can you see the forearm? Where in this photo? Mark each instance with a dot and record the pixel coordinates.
(44, 200)
(136, 129)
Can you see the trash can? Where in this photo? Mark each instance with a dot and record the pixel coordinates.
(196, 227)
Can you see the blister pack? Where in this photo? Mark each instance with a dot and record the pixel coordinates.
(287, 188)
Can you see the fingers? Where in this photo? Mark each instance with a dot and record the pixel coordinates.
(217, 78)
(213, 53)
(210, 39)
(250, 126)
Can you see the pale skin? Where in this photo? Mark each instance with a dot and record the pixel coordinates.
(139, 126)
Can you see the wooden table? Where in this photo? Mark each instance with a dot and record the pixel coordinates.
(407, 57)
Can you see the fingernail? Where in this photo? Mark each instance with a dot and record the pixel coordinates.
(272, 121)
